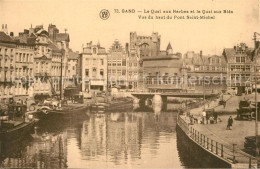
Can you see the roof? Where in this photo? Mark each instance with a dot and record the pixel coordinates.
(42, 31)
(5, 38)
(53, 47)
(169, 46)
(62, 37)
(73, 55)
(31, 40)
(230, 52)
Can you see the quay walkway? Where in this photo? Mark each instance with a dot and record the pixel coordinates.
(216, 140)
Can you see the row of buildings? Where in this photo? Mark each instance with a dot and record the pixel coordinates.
(31, 62)
(142, 65)
(40, 62)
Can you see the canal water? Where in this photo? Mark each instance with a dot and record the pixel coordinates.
(144, 138)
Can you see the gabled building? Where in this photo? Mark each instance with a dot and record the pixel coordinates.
(117, 65)
(211, 68)
(239, 68)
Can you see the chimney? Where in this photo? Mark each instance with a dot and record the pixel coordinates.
(12, 34)
(126, 47)
(4, 28)
(31, 31)
(26, 31)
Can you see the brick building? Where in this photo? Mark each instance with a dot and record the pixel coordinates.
(117, 65)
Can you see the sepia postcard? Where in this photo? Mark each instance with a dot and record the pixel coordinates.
(129, 84)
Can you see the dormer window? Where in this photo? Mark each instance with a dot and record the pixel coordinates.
(94, 50)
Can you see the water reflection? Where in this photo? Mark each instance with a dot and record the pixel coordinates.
(144, 139)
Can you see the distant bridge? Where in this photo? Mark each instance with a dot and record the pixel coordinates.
(140, 95)
(143, 96)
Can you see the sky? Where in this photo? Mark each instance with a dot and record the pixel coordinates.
(81, 19)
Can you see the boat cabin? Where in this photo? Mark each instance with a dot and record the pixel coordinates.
(16, 110)
(78, 98)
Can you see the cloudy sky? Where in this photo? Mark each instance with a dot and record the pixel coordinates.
(81, 18)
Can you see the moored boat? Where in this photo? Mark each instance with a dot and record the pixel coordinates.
(16, 122)
(61, 112)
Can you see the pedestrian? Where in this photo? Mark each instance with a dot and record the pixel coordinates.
(215, 115)
(230, 122)
(204, 114)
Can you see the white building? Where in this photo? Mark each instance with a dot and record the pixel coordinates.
(92, 68)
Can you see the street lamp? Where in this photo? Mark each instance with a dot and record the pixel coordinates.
(256, 104)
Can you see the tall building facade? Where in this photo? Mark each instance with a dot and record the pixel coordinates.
(93, 68)
(24, 66)
(239, 68)
(7, 61)
(72, 67)
(117, 65)
(141, 46)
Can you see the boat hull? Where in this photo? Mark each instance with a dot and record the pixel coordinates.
(66, 113)
(17, 132)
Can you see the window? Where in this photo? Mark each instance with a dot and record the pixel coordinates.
(94, 61)
(114, 63)
(232, 67)
(243, 59)
(94, 50)
(119, 72)
(73, 67)
(6, 64)
(238, 59)
(123, 72)
(123, 62)
(102, 61)
(86, 72)
(20, 57)
(101, 72)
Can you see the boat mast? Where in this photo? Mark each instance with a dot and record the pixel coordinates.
(62, 53)
(256, 104)
(204, 98)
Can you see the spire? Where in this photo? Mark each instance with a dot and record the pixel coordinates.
(169, 46)
(169, 49)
